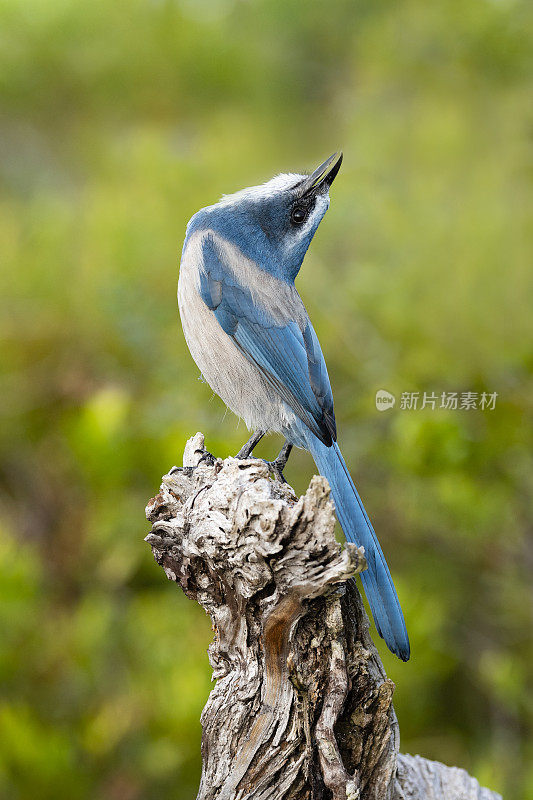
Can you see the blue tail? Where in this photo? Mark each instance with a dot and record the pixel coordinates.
(357, 528)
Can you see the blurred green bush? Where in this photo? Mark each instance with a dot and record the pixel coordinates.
(118, 120)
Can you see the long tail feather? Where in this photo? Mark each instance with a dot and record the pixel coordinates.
(358, 529)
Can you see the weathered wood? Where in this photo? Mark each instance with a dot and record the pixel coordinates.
(302, 708)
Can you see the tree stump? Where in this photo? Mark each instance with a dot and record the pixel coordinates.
(302, 708)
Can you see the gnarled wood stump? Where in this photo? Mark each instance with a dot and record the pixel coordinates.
(302, 708)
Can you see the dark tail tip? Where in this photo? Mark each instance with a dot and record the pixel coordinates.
(397, 642)
(400, 649)
(404, 654)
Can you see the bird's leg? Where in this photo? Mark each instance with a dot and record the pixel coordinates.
(278, 465)
(248, 448)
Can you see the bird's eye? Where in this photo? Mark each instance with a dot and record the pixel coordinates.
(298, 215)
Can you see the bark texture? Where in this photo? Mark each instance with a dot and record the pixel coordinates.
(302, 708)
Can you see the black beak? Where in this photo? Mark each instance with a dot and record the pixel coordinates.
(322, 178)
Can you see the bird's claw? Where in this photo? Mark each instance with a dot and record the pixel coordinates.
(276, 468)
(207, 458)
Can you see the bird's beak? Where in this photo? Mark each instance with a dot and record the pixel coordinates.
(322, 178)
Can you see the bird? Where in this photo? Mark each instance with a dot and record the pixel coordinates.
(251, 337)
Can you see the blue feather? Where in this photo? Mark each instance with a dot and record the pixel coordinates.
(289, 358)
(357, 528)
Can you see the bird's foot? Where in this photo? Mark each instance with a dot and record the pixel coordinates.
(205, 458)
(276, 467)
(186, 470)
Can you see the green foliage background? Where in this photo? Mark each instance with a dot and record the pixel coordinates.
(118, 121)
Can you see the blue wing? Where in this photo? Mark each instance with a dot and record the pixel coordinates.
(287, 354)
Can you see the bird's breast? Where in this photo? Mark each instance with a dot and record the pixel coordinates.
(230, 374)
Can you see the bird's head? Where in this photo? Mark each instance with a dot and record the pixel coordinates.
(273, 224)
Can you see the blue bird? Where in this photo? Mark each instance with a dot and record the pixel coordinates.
(249, 333)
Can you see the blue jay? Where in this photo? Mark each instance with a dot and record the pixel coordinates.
(249, 333)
